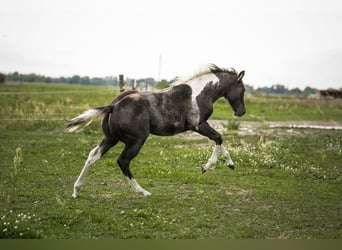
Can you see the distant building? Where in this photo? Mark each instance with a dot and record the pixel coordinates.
(329, 93)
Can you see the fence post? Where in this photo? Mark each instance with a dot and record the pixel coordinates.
(133, 82)
(121, 83)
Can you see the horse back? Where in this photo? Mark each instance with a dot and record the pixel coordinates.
(163, 112)
(173, 100)
(123, 95)
(180, 92)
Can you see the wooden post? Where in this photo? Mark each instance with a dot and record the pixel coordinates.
(133, 84)
(121, 83)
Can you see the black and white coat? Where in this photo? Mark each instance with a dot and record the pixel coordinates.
(186, 105)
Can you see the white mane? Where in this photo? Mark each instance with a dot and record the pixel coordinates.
(201, 77)
(202, 70)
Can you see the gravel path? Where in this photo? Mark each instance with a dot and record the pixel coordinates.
(251, 128)
(217, 124)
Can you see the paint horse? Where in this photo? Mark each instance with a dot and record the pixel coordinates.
(186, 105)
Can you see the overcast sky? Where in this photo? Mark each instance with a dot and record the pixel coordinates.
(296, 43)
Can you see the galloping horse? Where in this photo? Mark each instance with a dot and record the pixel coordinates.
(186, 105)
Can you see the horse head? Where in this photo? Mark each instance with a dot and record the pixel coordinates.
(235, 95)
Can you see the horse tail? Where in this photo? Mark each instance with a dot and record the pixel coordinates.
(87, 117)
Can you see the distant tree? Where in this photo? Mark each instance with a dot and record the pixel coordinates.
(2, 77)
(278, 89)
(85, 80)
(265, 90)
(249, 88)
(48, 79)
(111, 81)
(295, 91)
(30, 78)
(15, 77)
(62, 80)
(149, 81)
(309, 91)
(98, 81)
(75, 79)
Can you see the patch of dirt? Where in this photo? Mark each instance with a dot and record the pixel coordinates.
(259, 128)
(285, 127)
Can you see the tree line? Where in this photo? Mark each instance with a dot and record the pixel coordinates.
(279, 89)
(113, 81)
(75, 79)
(276, 89)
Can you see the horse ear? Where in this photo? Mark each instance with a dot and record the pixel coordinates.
(240, 76)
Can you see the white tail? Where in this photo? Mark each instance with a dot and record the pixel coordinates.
(86, 118)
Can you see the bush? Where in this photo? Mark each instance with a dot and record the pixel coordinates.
(233, 124)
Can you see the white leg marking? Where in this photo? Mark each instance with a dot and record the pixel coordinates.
(212, 160)
(94, 155)
(137, 188)
(226, 156)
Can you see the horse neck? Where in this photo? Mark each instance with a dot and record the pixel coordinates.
(212, 92)
(207, 86)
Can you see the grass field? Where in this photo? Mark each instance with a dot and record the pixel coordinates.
(286, 186)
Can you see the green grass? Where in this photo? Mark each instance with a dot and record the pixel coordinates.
(283, 187)
(278, 108)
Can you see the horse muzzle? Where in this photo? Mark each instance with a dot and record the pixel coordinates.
(240, 112)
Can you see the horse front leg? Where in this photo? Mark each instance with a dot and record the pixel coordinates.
(206, 130)
(212, 160)
(226, 156)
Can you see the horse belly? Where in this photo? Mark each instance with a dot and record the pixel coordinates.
(167, 126)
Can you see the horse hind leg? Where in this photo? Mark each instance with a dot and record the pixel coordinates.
(136, 187)
(94, 155)
(124, 160)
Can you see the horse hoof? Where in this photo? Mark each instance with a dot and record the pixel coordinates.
(203, 170)
(76, 192)
(146, 193)
(143, 192)
(231, 166)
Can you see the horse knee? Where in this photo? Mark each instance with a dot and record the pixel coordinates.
(121, 164)
(218, 139)
(124, 166)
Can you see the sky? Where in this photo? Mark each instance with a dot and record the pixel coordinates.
(296, 43)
